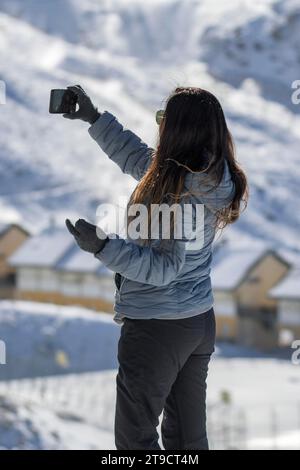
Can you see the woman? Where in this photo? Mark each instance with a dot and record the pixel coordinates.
(164, 297)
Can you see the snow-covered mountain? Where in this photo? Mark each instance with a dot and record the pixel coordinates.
(129, 54)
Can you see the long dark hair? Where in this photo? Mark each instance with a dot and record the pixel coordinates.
(193, 137)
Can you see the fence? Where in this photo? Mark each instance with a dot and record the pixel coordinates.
(90, 397)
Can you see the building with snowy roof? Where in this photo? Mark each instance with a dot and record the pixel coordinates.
(12, 236)
(287, 295)
(51, 268)
(241, 280)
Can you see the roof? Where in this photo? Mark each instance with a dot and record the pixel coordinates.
(289, 287)
(77, 260)
(291, 256)
(44, 249)
(234, 264)
(55, 248)
(4, 227)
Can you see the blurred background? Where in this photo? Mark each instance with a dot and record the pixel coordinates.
(57, 337)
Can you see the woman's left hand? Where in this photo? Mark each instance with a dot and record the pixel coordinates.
(88, 237)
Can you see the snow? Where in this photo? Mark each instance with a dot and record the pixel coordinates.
(55, 407)
(291, 256)
(129, 58)
(76, 260)
(55, 248)
(44, 249)
(126, 56)
(34, 427)
(289, 287)
(78, 410)
(265, 391)
(3, 228)
(44, 339)
(285, 441)
(228, 272)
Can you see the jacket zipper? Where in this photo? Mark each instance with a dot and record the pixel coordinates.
(119, 289)
(121, 285)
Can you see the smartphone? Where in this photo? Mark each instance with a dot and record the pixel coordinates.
(62, 101)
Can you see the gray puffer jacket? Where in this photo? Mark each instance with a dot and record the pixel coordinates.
(168, 282)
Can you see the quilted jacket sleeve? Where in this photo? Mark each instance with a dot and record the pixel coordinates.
(150, 265)
(121, 145)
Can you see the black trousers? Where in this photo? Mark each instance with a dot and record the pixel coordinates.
(163, 366)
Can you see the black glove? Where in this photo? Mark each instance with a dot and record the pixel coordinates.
(86, 235)
(87, 111)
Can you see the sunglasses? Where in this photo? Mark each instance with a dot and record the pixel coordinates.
(159, 116)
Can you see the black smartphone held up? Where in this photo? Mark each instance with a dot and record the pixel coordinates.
(62, 101)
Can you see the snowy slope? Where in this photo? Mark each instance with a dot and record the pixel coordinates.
(129, 55)
(28, 426)
(77, 411)
(44, 339)
(55, 407)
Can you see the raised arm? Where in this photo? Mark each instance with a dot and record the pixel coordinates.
(121, 145)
